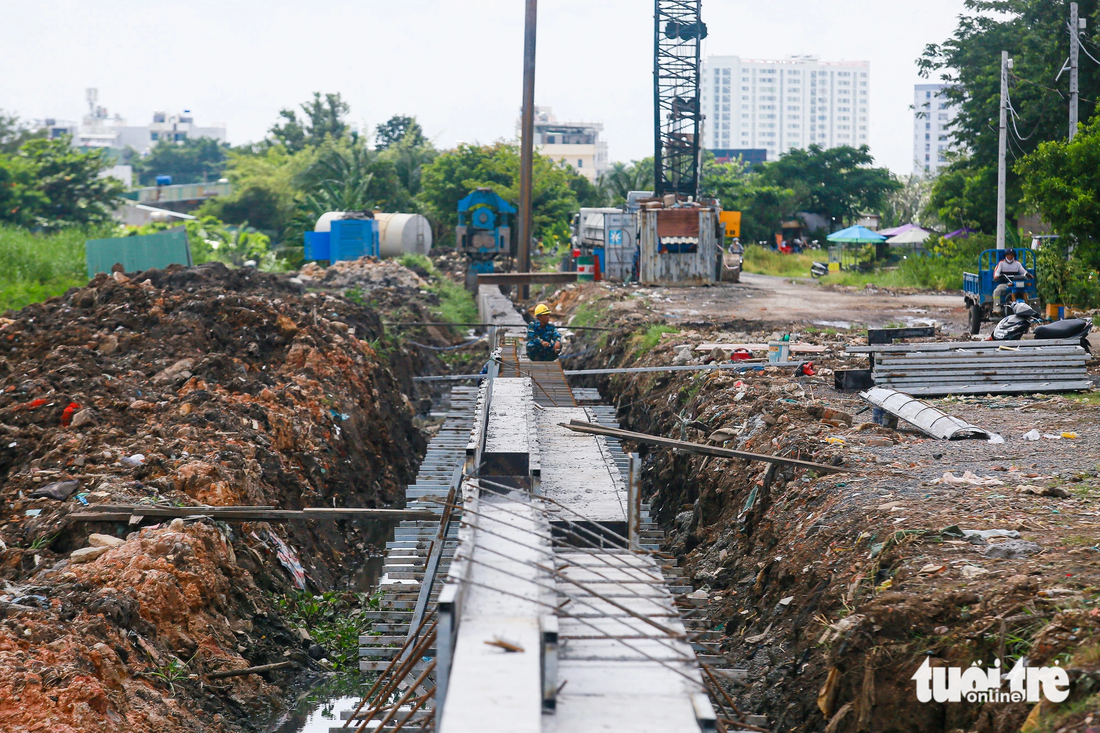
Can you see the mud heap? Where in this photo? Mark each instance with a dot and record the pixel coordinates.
(831, 591)
(184, 386)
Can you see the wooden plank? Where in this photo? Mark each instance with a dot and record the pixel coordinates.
(798, 348)
(888, 335)
(525, 278)
(710, 450)
(965, 345)
(113, 513)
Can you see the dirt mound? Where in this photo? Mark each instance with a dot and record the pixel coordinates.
(179, 387)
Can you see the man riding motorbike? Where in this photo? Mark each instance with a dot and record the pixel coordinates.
(1006, 271)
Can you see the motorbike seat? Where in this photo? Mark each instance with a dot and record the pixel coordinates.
(1069, 328)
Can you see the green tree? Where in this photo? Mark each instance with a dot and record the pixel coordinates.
(323, 118)
(197, 160)
(348, 176)
(910, 203)
(52, 185)
(965, 196)
(14, 132)
(396, 129)
(839, 183)
(622, 178)
(455, 173)
(264, 190)
(408, 155)
(1035, 34)
(1061, 180)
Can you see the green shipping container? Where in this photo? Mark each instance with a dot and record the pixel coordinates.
(138, 253)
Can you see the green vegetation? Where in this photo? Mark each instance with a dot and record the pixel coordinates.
(188, 161)
(642, 343)
(835, 183)
(941, 269)
(50, 185)
(170, 673)
(333, 620)
(456, 303)
(762, 260)
(34, 267)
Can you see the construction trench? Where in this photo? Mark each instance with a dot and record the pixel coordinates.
(645, 568)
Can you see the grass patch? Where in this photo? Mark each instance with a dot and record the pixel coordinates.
(590, 313)
(648, 340)
(766, 261)
(333, 620)
(456, 303)
(34, 267)
(1087, 398)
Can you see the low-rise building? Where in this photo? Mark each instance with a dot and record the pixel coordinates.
(576, 144)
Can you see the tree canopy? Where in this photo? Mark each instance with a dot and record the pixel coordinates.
(52, 185)
(455, 173)
(837, 184)
(194, 160)
(1036, 35)
(323, 117)
(397, 129)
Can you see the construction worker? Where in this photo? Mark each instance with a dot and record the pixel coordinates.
(543, 340)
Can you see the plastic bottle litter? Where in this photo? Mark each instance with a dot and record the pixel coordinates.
(1069, 435)
(1032, 435)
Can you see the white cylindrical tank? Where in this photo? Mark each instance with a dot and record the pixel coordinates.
(399, 234)
(324, 224)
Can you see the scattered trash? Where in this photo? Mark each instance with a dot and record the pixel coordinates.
(968, 478)
(1043, 491)
(59, 490)
(996, 439)
(132, 461)
(1069, 435)
(67, 414)
(973, 571)
(1012, 549)
(289, 558)
(32, 513)
(1032, 435)
(931, 569)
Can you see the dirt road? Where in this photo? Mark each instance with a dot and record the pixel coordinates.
(786, 300)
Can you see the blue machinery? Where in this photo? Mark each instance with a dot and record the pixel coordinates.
(347, 239)
(487, 235)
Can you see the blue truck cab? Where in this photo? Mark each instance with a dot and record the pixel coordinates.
(978, 286)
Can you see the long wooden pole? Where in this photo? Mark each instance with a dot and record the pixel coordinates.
(585, 427)
(526, 142)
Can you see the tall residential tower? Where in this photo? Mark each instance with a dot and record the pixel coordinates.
(932, 114)
(782, 105)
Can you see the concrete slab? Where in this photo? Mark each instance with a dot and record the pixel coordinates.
(577, 469)
(641, 683)
(491, 689)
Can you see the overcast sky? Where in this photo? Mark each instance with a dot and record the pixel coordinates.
(455, 65)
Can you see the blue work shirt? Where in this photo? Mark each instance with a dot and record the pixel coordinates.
(537, 333)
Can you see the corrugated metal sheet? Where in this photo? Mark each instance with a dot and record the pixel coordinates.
(699, 266)
(981, 367)
(139, 252)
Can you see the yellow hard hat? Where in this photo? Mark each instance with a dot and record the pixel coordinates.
(541, 308)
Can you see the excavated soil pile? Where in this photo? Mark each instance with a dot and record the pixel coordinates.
(831, 590)
(181, 387)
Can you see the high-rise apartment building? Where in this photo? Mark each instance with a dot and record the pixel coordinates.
(933, 112)
(786, 104)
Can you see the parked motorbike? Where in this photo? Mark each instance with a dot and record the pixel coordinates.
(819, 269)
(1014, 326)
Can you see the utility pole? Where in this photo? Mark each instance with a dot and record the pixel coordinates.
(1002, 144)
(526, 143)
(1074, 46)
